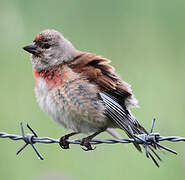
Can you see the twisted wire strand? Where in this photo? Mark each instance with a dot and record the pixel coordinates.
(145, 139)
(48, 140)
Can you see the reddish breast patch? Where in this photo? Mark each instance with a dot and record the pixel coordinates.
(52, 78)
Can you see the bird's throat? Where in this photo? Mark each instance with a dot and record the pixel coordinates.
(51, 78)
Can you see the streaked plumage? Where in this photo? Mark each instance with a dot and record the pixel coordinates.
(80, 90)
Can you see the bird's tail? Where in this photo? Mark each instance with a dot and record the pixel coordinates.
(118, 112)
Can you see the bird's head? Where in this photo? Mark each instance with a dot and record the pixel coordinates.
(49, 49)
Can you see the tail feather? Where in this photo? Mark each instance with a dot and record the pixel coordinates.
(122, 117)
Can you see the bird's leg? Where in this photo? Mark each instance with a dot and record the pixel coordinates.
(86, 141)
(63, 143)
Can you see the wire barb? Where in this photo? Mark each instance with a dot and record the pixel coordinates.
(152, 139)
(28, 139)
(152, 125)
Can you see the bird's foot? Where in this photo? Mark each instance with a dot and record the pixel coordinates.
(86, 143)
(64, 144)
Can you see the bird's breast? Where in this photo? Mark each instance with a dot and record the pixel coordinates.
(74, 104)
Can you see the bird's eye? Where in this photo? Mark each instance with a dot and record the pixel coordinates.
(46, 46)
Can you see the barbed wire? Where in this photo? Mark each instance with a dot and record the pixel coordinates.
(152, 139)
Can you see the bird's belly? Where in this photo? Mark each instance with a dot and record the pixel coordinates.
(80, 115)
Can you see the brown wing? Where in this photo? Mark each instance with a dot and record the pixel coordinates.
(97, 70)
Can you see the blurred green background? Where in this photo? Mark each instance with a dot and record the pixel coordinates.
(145, 40)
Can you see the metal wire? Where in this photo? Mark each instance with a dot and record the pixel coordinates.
(145, 139)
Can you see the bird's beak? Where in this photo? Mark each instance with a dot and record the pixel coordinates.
(31, 48)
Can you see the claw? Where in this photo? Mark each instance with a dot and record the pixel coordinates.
(89, 148)
(85, 142)
(63, 143)
(63, 140)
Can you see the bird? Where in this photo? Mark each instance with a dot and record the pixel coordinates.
(81, 91)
